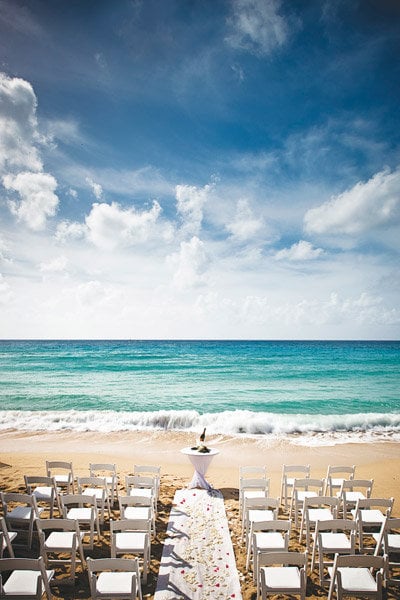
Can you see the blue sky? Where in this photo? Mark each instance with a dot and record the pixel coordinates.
(198, 169)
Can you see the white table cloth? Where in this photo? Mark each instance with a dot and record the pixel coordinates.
(201, 461)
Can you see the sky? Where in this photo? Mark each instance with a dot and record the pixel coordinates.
(225, 169)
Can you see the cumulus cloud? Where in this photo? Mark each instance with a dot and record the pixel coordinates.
(365, 207)
(67, 230)
(257, 26)
(95, 187)
(110, 225)
(56, 265)
(189, 264)
(244, 226)
(38, 200)
(303, 250)
(190, 201)
(21, 166)
(19, 134)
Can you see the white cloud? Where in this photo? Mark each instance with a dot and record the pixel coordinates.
(95, 293)
(365, 207)
(110, 226)
(73, 193)
(257, 26)
(56, 265)
(4, 251)
(190, 202)
(95, 187)
(303, 250)
(5, 291)
(38, 200)
(189, 264)
(70, 231)
(245, 226)
(65, 130)
(18, 126)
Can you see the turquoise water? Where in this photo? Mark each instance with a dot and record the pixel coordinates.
(262, 388)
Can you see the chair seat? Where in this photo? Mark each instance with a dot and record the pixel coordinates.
(117, 583)
(282, 577)
(302, 495)
(356, 579)
(256, 494)
(319, 514)
(137, 512)
(130, 540)
(80, 514)
(43, 493)
(354, 496)
(147, 492)
(266, 540)
(24, 583)
(336, 481)
(98, 493)
(335, 542)
(260, 514)
(394, 541)
(22, 513)
(371, 516)
(62, 478)
(59, 540)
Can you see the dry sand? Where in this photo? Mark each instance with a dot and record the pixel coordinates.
(26, 454)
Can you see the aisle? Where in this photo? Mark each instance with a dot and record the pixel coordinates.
(198, 560)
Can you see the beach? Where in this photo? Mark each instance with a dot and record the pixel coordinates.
(24, 453)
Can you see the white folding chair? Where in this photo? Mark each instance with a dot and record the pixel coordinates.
(137, 507)
(6, 539)
(289, 474)
(353, 490)
(97, 487)
(357, 575)
(63, 473)
(335, 475)
(336, 536)
(283, 573)
(45, 491)
(369, 514)
(258, 509)
(149, 471)
(388, 542)
(82, 509)
(252, 471)
(302, 489)
(132, 536)
(60, 537)
(252, 487)
(141, 485)
(112, 578)
(20, 512)
(317, 508)
(108, 471)
(267, 536)
(28, 579)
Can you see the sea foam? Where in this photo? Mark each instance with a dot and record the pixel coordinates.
(302, 428)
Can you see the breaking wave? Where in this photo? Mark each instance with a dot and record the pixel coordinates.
(302, 428)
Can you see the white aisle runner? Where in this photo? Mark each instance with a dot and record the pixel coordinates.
(198, 561)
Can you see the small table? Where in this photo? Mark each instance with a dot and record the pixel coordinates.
(201, 461)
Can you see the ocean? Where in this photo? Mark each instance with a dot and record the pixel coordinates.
(315, 392)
